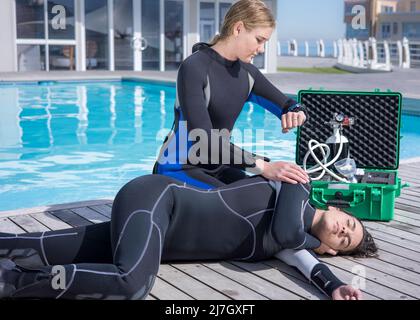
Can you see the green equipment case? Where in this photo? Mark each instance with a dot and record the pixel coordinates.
(374, 142)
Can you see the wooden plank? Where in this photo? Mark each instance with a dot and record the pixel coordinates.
(397, 250)
(409, 221)
(409, 196)
(219, 282)
(400, 261)
(55, 207)
(102, 209)
(408, 173)
(253, 282)
(372, 288)
(380, 277)
(195, 288)
(29, 224)
(408, 168)
(8, 226)
(344, 276)
(407, 214)
(408, 208)
(396, 232)
(71, 218)
(412, 191)
(407, 202)
(395, 240)
(284, 276)
(50, 221)
(403, 226)
(388, 268)
(164, 291)
(90, 215)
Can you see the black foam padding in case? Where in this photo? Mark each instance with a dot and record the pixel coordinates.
(374, 136)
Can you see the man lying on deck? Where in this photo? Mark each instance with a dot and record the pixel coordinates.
(156, 218)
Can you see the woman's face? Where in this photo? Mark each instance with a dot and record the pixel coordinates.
(339, 230)
(250, 43)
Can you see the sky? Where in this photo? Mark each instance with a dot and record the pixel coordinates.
(310, 19)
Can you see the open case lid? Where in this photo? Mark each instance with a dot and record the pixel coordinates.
(374, 138)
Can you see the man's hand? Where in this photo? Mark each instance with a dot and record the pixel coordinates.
(292, 120)
(347, 292)
(323, 249)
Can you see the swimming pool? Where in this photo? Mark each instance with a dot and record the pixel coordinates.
(74, 141)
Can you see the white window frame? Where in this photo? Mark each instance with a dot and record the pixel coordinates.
(46, 41)
(216, 13)
(217, 21)
(216, 28)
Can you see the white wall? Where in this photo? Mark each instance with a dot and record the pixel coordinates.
(7, 36)
(272, 44)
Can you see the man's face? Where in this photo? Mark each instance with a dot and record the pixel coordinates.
(251, 43)
(339, 231)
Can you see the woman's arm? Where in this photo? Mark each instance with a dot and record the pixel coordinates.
(191, 81)
(265, 94)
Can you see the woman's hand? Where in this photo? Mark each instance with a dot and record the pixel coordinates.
(282, 171)
(292, 120)
(347, 292)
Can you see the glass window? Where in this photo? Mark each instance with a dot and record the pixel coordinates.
(62, 57)
(386, 30)
(96, 23)
(123, 34)
(223, 9)
(387, 9)
(31, 57)
(207, 21)
(395, 27)
(151, 34)
(411, 30)
(412, 6)
(61, 19)
(30, 22)
(174, 33)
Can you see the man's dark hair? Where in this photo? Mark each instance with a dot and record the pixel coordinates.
(366, 248)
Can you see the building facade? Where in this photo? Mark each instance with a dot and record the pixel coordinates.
(385, 19)
(48, 35)
(398, 20)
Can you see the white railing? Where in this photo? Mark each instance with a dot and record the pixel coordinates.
(370, 54)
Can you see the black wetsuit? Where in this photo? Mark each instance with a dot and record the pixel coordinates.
(211, 92)
(158, 218)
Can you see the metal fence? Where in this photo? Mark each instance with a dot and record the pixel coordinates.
(329, 49)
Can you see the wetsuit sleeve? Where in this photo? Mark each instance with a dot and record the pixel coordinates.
(291, 209)
(315, 271)
(265, 94)
(191, 81)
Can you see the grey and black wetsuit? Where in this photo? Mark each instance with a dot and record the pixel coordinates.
(210, 94)
(158, 218)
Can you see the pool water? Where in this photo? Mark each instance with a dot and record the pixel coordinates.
(74, 141)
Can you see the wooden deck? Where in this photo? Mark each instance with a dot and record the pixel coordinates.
(395, 274)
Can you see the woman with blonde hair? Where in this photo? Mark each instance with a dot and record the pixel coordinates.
(213, 84)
